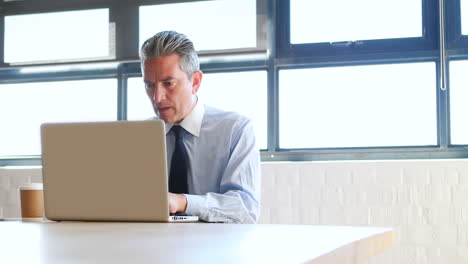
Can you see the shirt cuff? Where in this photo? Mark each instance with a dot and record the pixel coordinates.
(194, 204)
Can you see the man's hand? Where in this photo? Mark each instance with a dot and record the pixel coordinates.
(177, 203)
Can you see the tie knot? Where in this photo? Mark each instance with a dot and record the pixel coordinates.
(178, 131)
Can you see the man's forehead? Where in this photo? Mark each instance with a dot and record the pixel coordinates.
(168, 78)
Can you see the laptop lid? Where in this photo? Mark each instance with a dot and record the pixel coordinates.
(105, 171)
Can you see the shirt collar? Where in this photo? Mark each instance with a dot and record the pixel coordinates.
(192, 123)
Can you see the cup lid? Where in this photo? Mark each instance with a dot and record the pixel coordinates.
(31, 186)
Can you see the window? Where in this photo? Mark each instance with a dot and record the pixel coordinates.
(24, 107)
(338, 20)
(464, 16)
(211, 25)
(358, 106)
(243, 92)
(57, 36)
(458, 102)
(139, 105)
(321, 80)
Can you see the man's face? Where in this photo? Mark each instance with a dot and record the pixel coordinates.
(171, 92)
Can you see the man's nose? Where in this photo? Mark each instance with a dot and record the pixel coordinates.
(159, 94)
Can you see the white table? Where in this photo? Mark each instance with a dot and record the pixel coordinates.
(115, 243)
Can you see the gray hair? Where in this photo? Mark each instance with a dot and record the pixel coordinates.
(169, 42)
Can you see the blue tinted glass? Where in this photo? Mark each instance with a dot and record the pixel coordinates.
(57, 36)
(211, 25)
(464, 16)
(24, 107)
(358, 106)
(458, 99)
(343, 20)
(243, 92)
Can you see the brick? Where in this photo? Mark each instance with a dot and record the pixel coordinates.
(416, 176)
(415, 215)
(268, 178)
(331, 215)
(386, 216)
(406, 254)
(17, 180)
(414, 254)
(265, 216)
(437, 175)
(311, 175)
(430, 195)
(379, 195)
(309, 216)
(441, 215)
(462, 254)
(353, 194)
(4, 181)
(463, 175)
(13, 198)
(308, 196)
(363, 175)
(36, 178)
(422, 255)
(451, 176)
(23, 171)
(382, 258)
(403, 194)
(275, 198)
(11, 212)
(356, 215)
(266, 197)
(379, 216)
(423, 235)
(446, 254)
(337, 176)
(462, 235)
(429, 216)
(287, 175)
(333, 196)
(461, 215)
(389, 175)
(268, 181)
(284, 215)
(446, 235)
(37, 172)
(268, 167)
(3, 196)
(460, 195)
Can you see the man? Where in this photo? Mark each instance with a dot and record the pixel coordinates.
(213, 160)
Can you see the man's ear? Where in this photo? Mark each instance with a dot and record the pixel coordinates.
(196, 81)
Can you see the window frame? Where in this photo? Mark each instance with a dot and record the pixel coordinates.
(379, 48)
(273, 53)
(457, 43)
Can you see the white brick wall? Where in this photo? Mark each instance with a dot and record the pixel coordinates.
(10, 180)
(426, 201)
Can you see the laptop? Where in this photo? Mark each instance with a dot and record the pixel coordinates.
(106, 171)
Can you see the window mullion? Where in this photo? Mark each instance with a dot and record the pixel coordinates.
(124, 23)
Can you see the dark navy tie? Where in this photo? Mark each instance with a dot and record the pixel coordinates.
(179, 163)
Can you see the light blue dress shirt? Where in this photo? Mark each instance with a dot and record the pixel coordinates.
(224, 170)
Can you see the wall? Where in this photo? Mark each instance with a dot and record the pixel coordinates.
(426, 201)
(10, 180)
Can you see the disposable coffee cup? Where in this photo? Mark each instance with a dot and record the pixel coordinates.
(32, 202)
